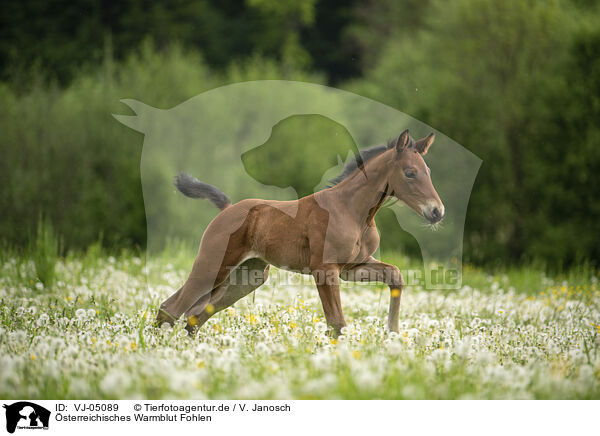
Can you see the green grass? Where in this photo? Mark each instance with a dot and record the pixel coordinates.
(514, 333)
(44, 252)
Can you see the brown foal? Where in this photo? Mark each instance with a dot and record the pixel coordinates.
(330, 234)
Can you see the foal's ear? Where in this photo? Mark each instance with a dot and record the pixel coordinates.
(422, 145)
(402, 141)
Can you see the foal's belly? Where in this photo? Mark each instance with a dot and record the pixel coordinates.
(282, 240)
(290, 261)
(295, 255)
(287, 250)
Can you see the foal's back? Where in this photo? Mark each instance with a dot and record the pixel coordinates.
(275, 231)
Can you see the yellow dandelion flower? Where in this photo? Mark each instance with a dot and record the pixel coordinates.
(192, 320)
(32, 357)
(201, 364)
(133, 345)
(210, 309)
(395, 293)
(356, 354)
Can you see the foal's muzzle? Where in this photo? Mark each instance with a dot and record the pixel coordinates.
(433, 213)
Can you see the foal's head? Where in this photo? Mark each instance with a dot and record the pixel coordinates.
(410, 179)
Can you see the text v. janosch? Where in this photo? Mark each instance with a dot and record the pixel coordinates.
(241, 407)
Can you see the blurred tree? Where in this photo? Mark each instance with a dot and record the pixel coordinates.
(482, 72)
(327, 41)
(378, 21)
(565, 222)
(517, 82)
(63, 153)
(62, 38)
(290, 16)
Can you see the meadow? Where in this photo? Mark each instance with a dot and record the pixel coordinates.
(515, 83)
(89, 334)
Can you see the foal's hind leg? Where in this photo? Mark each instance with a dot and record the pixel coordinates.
(197, 287)
(242, 281)
(217, 257)
(163, 316)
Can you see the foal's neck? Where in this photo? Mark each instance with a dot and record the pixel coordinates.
(365, 191)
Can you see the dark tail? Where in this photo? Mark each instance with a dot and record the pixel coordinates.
(194, 188)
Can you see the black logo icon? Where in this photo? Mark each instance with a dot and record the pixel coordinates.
(26, 415)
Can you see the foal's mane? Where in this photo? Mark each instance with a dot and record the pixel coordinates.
(363, 156)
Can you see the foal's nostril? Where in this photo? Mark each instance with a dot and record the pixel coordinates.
(435, 214)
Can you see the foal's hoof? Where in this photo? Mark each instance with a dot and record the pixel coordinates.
(336, 331)
(192, 325)
(163, 317)
(394, 328)
(191, 329)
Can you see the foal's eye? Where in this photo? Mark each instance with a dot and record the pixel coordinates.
(410, 174)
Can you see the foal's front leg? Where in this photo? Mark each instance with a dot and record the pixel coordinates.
(376, 271)
(327, 280)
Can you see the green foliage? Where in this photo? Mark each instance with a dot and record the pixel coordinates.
(498, 78)
(37, 33)
(565, 207)
(380, 21)
(516, 82)
(65, 154)
(44, 252)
